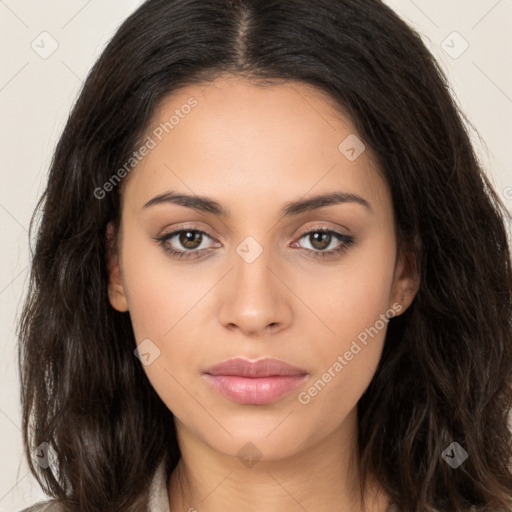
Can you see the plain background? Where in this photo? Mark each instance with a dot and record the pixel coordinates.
(38, 90)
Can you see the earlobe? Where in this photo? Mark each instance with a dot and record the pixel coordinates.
(116, 291)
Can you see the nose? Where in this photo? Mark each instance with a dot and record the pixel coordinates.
(254, 297)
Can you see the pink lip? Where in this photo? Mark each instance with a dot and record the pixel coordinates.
(254, 382)
(266, 367)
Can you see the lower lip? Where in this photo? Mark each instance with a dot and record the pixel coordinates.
(254, 390)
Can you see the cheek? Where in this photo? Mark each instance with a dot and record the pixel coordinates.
(353, 305)
(165, 307)
(160, 305)
(159, 292)
(357, 293)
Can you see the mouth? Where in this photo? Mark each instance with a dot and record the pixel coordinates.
(254, 382)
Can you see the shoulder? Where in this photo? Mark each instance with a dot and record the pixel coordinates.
(44, 506)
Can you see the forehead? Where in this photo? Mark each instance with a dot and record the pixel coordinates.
(231, 136)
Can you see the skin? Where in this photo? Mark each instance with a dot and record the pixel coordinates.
(253, 149)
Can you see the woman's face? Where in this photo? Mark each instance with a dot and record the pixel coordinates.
(261, 281)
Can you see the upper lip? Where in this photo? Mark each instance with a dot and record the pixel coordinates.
(266, 367)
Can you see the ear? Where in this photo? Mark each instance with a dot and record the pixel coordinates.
(116, 291)
(406, 278)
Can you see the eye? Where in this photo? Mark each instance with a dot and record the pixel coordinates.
(189, 238)
(321, 239)
(188, 242)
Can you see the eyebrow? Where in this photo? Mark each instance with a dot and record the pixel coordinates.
(208, 205)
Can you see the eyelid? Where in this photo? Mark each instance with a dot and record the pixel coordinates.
(185, 227)
(326, 227)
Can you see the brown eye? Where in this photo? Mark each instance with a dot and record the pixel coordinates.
(190, 239)
(320, 239)
(186, 243)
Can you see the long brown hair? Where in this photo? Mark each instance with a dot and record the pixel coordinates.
(445, 372)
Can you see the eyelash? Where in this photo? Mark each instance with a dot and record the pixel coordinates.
(345, 239)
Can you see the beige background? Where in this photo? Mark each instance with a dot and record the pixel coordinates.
(36, 94)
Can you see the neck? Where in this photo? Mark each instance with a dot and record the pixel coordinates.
(323, 477)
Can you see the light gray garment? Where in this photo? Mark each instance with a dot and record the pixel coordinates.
(158, 496)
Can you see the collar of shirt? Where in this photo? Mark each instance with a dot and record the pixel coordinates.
(158, 493)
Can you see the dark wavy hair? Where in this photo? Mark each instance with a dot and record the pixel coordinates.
(445, 371)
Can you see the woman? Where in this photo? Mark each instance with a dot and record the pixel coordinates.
(270, 273)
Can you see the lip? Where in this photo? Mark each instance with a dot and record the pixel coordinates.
(254, 382)
(266, 367)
